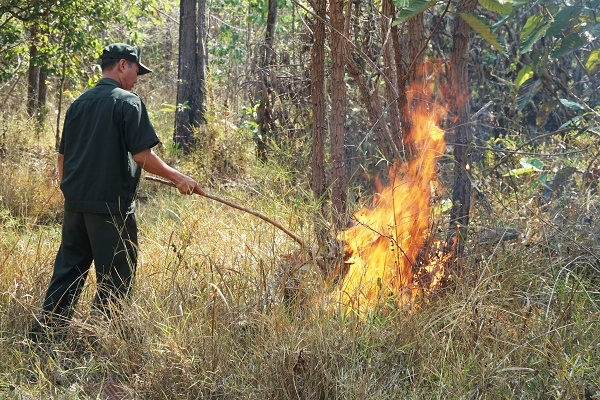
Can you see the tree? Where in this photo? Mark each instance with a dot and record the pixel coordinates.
(266, 81)
(338, 114)
(459, 86)
(317, 96)
(189, 115)
(59, 39)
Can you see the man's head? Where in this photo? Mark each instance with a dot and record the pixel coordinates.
(122, 62)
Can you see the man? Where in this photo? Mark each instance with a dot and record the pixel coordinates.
(107, 139)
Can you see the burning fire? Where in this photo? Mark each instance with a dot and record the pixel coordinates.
(382, 248)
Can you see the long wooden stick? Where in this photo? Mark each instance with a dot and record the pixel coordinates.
(233, 205)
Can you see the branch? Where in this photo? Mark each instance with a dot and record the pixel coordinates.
(233, 205)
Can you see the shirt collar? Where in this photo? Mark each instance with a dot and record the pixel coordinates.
(108, 81)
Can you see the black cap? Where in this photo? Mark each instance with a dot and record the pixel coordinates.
(126, 52)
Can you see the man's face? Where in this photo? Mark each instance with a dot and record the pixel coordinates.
(128, 74)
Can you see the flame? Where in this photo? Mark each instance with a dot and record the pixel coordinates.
(382, 247)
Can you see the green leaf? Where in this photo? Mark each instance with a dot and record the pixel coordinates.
(534, 163)
(571, 104)
(532, 24)
(562, 20)
(573, 122)
(410, 8)
(526, 92)
(593, 61)
(499, 7)
(567, 45)
(545, 110)
(521, 171)
(499, 22)
(528, 166)
(480, 26)
(534, 29)
(525, 74)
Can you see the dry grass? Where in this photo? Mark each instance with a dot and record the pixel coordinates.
(208, 320)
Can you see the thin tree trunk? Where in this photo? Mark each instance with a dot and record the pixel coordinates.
(402, 103)
(317, 97)
(389, 69)
(338, 114)
(33, 78)
(201, 65)
(416, 41)
(383, 137)
(459, 81)
(265, 88)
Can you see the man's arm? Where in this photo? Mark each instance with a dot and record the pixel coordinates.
(59, 163)
(152, 163)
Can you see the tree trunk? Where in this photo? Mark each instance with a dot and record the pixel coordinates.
(317, 97)
(338, 114)
(202, 63)
(389, 70)
(184, 135)
(265, 89)
(402, 103)
(459, 83)
(383, 137)
(416, 41)
(189, 115)
(318, 127)
(32, 90)
(415, 78)
(36, 85)
(33, 78)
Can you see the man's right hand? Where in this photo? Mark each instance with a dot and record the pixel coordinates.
(187, 185)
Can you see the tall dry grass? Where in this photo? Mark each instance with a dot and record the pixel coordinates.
(226, 307)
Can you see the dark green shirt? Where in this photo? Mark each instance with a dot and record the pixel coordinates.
(102, 129)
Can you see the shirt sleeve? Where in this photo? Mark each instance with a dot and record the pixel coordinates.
(138, 131)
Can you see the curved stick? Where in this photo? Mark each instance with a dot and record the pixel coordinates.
(233, 205)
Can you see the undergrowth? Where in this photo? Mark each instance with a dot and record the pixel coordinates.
(226, 306)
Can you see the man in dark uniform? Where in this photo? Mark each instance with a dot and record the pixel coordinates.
(107, 139)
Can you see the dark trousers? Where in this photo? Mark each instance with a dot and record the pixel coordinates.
(108, 240)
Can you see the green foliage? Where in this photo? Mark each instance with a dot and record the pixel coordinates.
(496, 6)
(482, 28)
(535, 28)
(68, 35)
(410, 8)
(593, 61)
(528, 166)
(557, 35)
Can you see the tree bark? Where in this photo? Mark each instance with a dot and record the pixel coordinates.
(184, 135)
(317, 97)
(402, 103)
(202, 63)
(265, 84)
(389, 69)
(189, 114)
(416, 41)
(459, 83)
(338, 114)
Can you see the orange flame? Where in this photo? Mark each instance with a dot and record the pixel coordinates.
(383, 245)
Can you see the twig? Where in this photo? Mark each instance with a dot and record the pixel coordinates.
(233, 205)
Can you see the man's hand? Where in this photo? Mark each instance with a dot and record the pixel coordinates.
(187, 185)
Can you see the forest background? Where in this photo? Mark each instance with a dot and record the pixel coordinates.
(298, 110)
